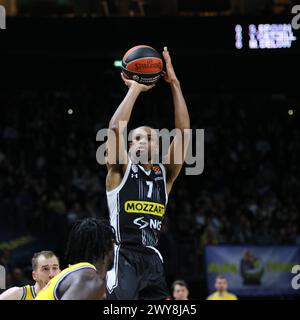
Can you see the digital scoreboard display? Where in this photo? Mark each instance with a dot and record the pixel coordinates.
(265, 36)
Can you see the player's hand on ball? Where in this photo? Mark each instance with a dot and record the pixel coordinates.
(141, 87)
(169, 75)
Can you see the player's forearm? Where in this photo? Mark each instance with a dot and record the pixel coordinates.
(182, 118)
(14, 293)
(124, 110)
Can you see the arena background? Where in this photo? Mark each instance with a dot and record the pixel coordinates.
(60, 55)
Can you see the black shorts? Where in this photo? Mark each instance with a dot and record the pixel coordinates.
(136, 276)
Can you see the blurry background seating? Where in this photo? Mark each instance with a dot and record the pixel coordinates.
(86, 8)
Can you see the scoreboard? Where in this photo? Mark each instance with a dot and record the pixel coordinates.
(187, 36)
(265, 36)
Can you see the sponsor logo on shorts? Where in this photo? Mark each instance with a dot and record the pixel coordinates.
(144, 207)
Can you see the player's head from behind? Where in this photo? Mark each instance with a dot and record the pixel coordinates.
(144, 145)
(45, 266)
(92, 240)
(180, 290)
(221, 283)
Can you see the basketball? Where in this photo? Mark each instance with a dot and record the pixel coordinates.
(142, 64)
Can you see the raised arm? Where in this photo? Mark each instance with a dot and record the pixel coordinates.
(115, 144)
(178, 147)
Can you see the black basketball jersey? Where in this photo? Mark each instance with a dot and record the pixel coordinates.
(137, 206)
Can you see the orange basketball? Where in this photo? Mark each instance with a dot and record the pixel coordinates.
(142, 64)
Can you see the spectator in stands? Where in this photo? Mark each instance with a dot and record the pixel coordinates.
(180, 290)
(221, 293)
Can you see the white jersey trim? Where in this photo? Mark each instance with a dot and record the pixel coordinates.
(114, 210)
(158, 253)
(112, 275)
(146, 171)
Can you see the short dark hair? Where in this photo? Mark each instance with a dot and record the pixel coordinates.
(45, 253)
(90, 240)
(144, 126)
(181, 283)
(221, 277)
(148, 127)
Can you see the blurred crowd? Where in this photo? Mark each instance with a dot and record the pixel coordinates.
(86, 8)
(247, 193)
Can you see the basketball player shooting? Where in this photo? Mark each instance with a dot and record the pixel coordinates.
(137, 195)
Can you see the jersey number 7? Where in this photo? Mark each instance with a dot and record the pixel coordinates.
(150, 185)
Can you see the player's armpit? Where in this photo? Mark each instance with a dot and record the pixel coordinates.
(114, 176)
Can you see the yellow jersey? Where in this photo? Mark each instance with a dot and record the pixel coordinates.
(28, 293)
(50, 291)
(226, 296)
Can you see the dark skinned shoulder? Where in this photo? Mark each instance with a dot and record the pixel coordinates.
(83, 284)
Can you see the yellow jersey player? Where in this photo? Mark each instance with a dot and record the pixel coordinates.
(221, 286)
(45, 266)
(90, 253)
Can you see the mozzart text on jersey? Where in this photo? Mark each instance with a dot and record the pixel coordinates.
(156, 209)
